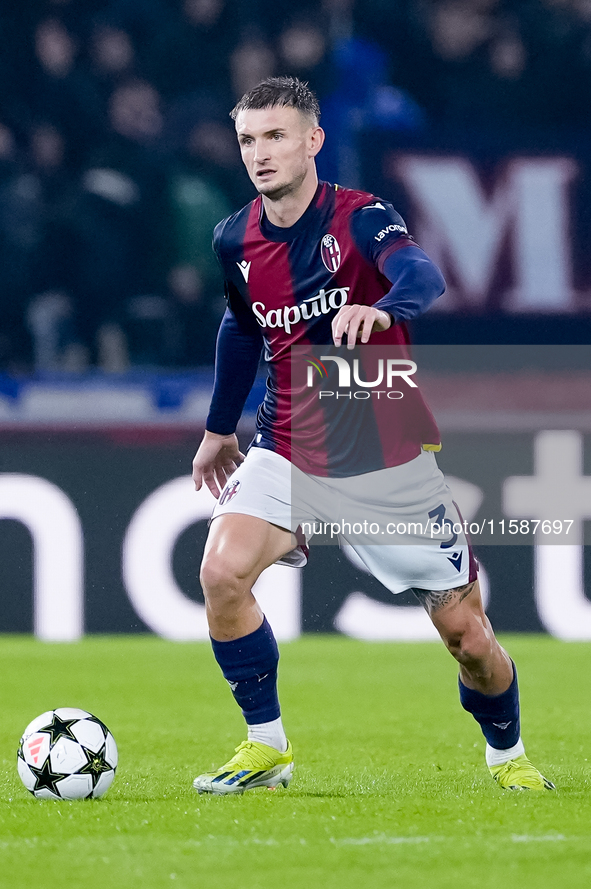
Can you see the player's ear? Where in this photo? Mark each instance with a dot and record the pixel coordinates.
(316, 141)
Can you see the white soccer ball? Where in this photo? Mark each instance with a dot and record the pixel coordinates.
(67, 754)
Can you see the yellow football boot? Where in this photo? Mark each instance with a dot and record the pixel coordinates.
(520, 774)
(253, 765)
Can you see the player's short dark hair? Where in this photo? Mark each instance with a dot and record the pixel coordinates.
(286, 92)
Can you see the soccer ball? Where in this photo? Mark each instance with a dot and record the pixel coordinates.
(67, 754)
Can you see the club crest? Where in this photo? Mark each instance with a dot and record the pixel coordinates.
(330, 252)
(229, 492)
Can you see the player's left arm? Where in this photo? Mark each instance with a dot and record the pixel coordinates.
(381, 236)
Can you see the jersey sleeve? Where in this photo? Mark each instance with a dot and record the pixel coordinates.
(416, 284)
(378, 231)
(238, 352)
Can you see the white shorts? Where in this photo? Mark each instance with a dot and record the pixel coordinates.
(413, 535)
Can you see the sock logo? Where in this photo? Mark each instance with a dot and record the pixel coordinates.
(233, 685)
(501, 725)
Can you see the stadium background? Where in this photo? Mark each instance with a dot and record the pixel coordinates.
(117, 157)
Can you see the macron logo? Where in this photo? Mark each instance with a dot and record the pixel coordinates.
(244, 267)
(456, 560)
(376, 206)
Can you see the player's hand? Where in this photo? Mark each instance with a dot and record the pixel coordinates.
(215, 461)
(358, 322)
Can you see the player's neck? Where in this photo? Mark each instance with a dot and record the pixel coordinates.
(287, 210)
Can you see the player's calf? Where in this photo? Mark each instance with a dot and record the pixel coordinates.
(487, 684)
(458, 615)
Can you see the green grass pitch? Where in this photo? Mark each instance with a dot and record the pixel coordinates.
(390, 787)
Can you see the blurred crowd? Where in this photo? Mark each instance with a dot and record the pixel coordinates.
(490, 64)
(117, 155)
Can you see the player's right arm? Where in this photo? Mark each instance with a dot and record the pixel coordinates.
(238, 352)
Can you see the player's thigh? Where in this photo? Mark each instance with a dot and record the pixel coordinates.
(240, 547)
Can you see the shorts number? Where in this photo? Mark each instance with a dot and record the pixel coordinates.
(440, 519)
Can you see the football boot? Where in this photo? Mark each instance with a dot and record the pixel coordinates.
(253, 765)
(520, 774)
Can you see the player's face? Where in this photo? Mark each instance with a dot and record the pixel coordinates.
(278, 147)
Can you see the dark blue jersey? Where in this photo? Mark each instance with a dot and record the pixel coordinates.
(283, 287)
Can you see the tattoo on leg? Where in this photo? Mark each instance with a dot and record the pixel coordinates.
(433, 600)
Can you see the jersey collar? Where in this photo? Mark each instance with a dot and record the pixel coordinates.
(278, 233)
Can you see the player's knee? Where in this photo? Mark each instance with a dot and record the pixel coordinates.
(471, 647)
(220, 577)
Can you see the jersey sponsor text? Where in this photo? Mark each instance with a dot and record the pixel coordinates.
(323, 303)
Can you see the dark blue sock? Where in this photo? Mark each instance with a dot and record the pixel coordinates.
(249, 665)
(497, 715)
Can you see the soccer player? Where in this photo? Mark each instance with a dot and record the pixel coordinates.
(282, 255)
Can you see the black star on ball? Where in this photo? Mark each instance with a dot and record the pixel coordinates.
(96, 765)
(45, 778)
(59, 728)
